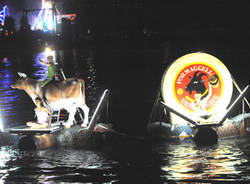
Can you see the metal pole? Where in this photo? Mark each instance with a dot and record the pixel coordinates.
(232, 105)
(63, 74)
(97, 108)
(240, 91)
(154, 105)
(107, 109)
(243, 112)
(180, 114)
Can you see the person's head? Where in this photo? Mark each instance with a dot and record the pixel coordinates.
(50, 59)
(38, 101)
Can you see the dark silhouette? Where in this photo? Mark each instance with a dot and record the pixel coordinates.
(9, 26)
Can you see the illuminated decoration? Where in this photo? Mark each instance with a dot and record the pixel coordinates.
(71, 17)
(3, 13)
(197, 85)
(44, 20)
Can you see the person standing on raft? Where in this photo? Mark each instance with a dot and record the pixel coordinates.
(43, 115)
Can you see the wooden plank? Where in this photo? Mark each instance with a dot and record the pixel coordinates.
(27, 130)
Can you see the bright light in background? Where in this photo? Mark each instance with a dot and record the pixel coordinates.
(3, 13)
(44, 20)
(49, 52)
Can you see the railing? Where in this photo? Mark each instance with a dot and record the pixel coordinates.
(98, 109)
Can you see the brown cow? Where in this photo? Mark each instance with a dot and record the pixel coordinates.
(68, 94)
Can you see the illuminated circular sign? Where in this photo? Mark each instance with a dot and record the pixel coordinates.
(198, 85)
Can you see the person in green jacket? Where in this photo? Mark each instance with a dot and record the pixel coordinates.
(51, 70)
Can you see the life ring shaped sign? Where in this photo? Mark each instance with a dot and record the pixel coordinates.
(197, 85)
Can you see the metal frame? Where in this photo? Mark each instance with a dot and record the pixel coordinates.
(98, 108)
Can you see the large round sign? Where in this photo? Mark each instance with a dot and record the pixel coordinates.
(197, 85)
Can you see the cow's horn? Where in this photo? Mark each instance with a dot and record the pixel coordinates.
(22, 74)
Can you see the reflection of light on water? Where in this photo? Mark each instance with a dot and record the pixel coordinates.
(7, 96)
(6, 155)
(190, 163)
(78, 158)
(42, 69)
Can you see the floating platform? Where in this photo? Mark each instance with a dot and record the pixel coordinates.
(27, 130)
(236, 126)
(30, 139)
(27, 138)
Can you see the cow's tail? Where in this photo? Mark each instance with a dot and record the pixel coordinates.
(82, 88)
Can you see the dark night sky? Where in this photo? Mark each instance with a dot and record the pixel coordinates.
(167, 13)
(178, 15)
(176, 12)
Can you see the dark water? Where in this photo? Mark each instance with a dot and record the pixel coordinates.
(228, 162)
(129, 77)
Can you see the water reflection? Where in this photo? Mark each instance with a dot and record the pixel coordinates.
(7, 96)
(187, 162)
(40, 70)
(56, 165)
(15, 105)
(6, 154)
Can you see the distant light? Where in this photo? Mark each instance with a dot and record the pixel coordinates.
(3, 14)
(44, 20)
(5, 59)
(70, 17)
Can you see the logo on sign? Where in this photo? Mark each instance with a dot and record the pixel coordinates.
(198, 87)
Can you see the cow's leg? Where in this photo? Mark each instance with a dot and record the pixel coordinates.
(86, 115)
(72, 112)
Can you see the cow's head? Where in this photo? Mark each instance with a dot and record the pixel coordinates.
(196, 83)
(20, 83)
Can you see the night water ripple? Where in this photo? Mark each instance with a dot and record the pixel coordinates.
(56, 165)
(226, 162)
